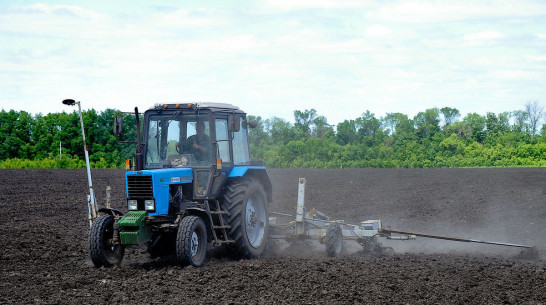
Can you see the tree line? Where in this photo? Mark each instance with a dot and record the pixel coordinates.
(54, 140)
(436, 137)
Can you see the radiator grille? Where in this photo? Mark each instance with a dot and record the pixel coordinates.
(140, 187)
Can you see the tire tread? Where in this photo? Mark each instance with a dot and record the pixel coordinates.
(183, 241)
(96, 242)
(233, 202)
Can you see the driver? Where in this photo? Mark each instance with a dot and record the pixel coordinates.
(199, 143)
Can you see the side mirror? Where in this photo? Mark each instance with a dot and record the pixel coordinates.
(118, 125)
(253, 123)
(234, 123)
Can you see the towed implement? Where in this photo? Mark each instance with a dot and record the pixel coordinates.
(312, 224)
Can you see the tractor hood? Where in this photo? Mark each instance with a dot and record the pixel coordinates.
(154, 184)
(165, 176)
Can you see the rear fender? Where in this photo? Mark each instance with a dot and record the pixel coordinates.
(259, 173)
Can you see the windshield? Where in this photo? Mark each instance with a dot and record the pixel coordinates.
(176, 140)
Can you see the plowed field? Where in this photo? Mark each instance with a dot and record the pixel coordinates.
(44, 249)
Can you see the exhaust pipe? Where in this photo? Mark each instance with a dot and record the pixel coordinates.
(139, 157)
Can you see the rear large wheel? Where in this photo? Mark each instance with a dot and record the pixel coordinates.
(103, 251)
(191, 241)
(246, 203)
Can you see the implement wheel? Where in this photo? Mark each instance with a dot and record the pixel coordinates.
(246, 203)
(103, 252)
(191, 241)
(334, 240)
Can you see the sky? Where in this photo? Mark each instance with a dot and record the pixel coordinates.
(271, 57)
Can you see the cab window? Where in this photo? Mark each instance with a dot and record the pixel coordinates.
(241, 155)
(223, 140)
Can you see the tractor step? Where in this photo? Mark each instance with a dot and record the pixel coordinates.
(219, 212)
(221, 227)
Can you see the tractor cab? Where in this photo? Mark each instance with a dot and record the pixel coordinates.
(198, 135)
(209, 138)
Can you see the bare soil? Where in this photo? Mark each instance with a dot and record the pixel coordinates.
(44, 248)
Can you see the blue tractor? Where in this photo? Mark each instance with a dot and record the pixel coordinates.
(193, 187)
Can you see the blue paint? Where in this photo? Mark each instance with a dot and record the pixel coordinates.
(161, 179)
(240, 171)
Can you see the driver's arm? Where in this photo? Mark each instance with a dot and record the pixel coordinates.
(184, 146)
(199, 147)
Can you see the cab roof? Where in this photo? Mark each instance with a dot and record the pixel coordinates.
(197, 106)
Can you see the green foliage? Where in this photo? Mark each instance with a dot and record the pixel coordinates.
(427, 123)
(65, 161)
(475, 123)
(393, 141)
(54, 140)
(451, 115)
(397, 141)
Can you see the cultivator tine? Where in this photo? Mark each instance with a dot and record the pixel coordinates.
(108, 196)
(89, 217)
(300, 223)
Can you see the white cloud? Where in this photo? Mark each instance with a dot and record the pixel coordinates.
(421, 12)
(313, 4)
(537, 58)
(486, 35)
(273, 57)
(185, 18)
(58, 10)
(55, 21)
(487, 62)
(445, 11)
(440, 43)
(482, 38)
(61, 21)
(391, 59)
(378, 31)
(517, 75)
(405, 74)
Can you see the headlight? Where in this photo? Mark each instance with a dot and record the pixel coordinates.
(149, 205)
(132, 205)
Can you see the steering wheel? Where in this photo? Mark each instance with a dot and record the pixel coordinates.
(178, 149)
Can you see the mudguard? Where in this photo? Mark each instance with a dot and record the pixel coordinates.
(110, 211)
(258, 172)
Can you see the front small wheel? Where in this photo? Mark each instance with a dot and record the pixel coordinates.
(191, 241)
(103, 251)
